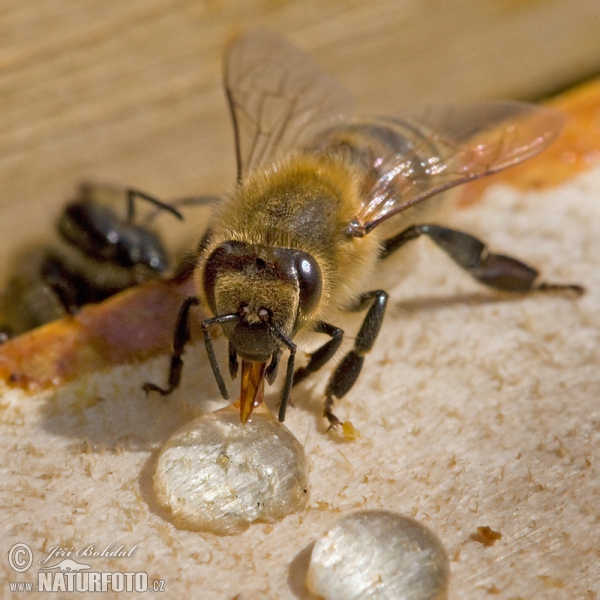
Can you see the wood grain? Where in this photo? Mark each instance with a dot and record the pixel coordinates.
(476, 411)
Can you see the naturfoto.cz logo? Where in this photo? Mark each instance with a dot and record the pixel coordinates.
(69, 575)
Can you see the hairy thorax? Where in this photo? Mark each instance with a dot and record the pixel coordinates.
(304, 202)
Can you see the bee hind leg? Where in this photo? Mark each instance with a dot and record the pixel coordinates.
(347, 372)
(494, 270)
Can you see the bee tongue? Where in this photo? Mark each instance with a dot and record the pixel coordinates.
(253, 385)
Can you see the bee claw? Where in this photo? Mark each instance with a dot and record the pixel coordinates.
(151, 387)
(334, 422)
(333, 425)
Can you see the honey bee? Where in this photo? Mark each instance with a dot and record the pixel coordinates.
(298, 239)
(100, 252)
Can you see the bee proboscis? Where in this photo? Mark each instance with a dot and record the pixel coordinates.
(298, 239)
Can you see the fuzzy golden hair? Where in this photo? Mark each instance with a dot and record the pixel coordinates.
(304, 202)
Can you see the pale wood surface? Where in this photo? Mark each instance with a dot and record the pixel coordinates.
(477, 411)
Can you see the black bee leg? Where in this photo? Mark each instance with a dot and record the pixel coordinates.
(181, 338)
(271, 370)
(212, 357)
(289, 372)
(72, 291)
(323, 354)
(133, 194)
(333, 420)
(66, 292)
(233, 361)
(347, 372)
(494, 270)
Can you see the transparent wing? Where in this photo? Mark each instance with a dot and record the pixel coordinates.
(278, 98)
(436, 148)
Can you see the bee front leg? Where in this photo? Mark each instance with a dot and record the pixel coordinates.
(271, 370)
(212, 357)
(347, 372)
(233, 361)
(289, 372)
(181, 338)
(494, 270)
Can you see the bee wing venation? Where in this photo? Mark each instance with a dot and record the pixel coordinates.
(278, 98)
(445, 146)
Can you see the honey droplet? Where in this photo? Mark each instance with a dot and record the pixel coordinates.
(377, 554)
(215, 474)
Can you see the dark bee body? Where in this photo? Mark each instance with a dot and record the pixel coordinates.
(288, 250)
(100, 252)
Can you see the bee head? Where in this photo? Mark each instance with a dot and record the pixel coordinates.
(269, 288)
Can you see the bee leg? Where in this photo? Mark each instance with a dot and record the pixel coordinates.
(289, 373)
(181, 338)
(133, 194)
(494, 270)
(233, 361)
(323, 353)
(271, 370)
(212, 357)
(65, 286)
(347, 372)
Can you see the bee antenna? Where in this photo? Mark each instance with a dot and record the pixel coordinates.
(212, 357)
(289, 374)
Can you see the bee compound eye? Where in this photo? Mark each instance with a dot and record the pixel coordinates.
(310, 281)
(228, 256)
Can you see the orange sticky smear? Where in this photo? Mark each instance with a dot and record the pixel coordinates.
(133, 325)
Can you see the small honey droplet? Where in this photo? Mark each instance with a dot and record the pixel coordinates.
(378, 554)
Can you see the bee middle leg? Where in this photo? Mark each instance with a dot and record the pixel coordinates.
(494, 270)
(347, 372)
(323, 354)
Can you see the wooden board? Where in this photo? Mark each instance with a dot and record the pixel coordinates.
(477, 410)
